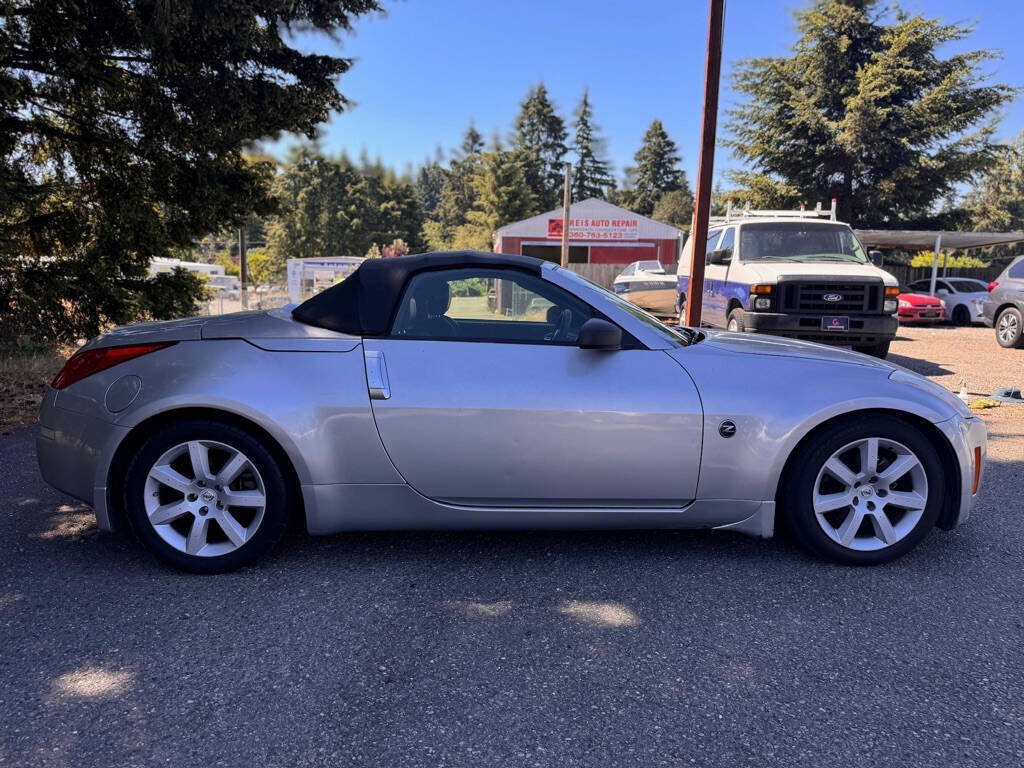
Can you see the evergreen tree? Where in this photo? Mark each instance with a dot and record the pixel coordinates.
(429, 186)
(540, 138)
(674, 208)
(655, 171)
(124, 125)
(502, 196)
(458, 195)
(591, 175)
(996, 202)
(864, 110)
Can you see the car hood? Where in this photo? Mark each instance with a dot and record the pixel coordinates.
(920, 300)
(276, 324)
(751, 344)
(770, 271)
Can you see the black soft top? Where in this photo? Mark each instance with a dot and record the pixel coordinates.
(364, 302)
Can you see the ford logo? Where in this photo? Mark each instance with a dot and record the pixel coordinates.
(833, 297)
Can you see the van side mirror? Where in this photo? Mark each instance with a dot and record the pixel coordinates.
(721, 256)
(599, 334)
(877, 257)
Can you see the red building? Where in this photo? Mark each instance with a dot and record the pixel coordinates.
(599, 233)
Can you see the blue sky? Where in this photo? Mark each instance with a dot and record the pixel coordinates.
(428, 67)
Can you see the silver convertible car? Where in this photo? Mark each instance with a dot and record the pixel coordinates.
(471, 390)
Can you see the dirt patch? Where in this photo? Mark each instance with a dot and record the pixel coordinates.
(970, 356)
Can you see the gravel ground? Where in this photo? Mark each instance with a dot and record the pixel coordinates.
(558, 649)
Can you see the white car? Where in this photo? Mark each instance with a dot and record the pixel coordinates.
(963, 297)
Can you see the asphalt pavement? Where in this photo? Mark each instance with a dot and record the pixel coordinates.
(488, 649)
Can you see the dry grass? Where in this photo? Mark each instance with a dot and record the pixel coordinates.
(23, 380)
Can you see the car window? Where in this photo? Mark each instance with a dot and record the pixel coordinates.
(1016, 270)
(969, 286)
(713, 236)
(729, 241)
(479, 304)
(941, 285)
(629, 271)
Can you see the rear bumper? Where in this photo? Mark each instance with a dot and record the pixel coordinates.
(968, 437)
(74, 453)
(864, 329)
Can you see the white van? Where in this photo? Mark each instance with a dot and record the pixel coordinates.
(793, 274)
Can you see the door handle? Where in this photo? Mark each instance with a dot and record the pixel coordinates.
(377, 375)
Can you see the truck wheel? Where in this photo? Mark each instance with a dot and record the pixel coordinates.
(880, 350)
(1009, 329)
(736, 324)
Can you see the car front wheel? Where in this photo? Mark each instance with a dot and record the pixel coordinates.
(864, 492)
(206, 496)
(1010, 329)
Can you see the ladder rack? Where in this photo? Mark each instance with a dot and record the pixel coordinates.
(732, 214)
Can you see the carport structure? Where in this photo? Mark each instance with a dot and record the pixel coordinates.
(926, 240)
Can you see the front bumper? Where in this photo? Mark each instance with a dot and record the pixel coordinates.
(864, 329)
(74, 452)
(922, 315)
(968, 436)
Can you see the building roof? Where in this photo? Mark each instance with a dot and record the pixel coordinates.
(537, 226)
(364, 302)
(927, 240)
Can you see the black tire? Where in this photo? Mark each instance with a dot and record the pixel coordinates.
(1010, 325)
(961, 316)
(276, 511)
(735, 322)
(798, 487)
(880, 350)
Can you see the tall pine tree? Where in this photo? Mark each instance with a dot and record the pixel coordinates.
(458, 195)
(540, 139)
(591, 175)
(502, 196)
(655, 172)
(866, 110)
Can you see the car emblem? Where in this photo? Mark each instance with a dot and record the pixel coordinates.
(208, 496)
(833, 297)
(727, 428)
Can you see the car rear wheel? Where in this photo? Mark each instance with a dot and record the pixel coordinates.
(864, 492)
(1010, 329)
(206, 496)
(961, 316)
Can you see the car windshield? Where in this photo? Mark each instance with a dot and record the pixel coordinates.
(649, 266)
(799, 241)
(675, 334)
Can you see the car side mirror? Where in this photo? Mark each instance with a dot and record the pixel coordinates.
(599, 334)
(877, 257)
(941, 292)
(721, 256)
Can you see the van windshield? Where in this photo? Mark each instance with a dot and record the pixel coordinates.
(799, 241)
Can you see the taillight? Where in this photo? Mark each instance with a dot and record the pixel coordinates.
(90, 361)
(993, 285)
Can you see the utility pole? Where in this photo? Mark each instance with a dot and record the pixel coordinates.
(566, 199)
(702, 208)
(243, 268)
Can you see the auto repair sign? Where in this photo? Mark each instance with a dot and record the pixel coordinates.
(596, 229)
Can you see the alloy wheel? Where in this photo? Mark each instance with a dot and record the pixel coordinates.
(204, 498)
(1007, 328)
(870, 494)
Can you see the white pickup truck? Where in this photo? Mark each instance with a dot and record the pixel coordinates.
(796, 274)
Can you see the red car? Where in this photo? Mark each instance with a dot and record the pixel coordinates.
(920, 307)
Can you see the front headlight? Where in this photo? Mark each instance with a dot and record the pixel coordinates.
(889, 307)
(926, 385)
(762, 303)
(904, 303)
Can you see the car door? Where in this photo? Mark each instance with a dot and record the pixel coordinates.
(714, 277)
(723, 291)
(491, 403)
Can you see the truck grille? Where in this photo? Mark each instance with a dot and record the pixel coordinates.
(864, 297)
